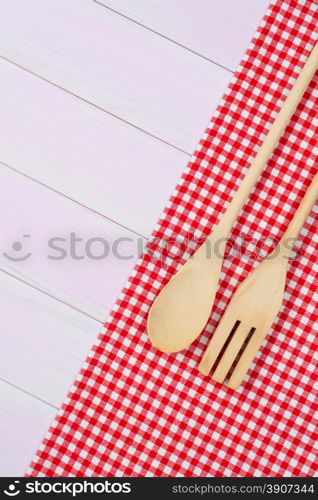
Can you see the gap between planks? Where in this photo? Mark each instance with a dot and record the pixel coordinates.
(163, 36)
(76, 202)
(41, 290)
(27, 393)
(96, 106)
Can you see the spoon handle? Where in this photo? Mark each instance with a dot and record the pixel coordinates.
(271, 140)
(303, 210)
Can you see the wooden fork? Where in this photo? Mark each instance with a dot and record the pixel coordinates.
(254, 307)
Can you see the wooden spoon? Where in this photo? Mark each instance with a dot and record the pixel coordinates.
(182, 308)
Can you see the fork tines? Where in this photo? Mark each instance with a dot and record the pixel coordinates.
(224, 356)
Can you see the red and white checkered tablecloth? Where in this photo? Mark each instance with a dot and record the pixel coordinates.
(134, 411)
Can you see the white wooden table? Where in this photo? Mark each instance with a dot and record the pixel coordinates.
(101, 104)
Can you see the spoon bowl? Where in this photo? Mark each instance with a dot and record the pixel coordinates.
(183, 307)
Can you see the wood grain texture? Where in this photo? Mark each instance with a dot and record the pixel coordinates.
(23, 423)
(217, 30)
(88, 273)
(43, 342)
(115, 64)
(84, 153)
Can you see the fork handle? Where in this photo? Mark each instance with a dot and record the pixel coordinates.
(303, 211)
(271, 140)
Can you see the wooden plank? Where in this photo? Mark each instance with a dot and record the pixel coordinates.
(83, 152)
(115, 64)
(218, 30)
(43, 342)
(24, 421)
(87, 269)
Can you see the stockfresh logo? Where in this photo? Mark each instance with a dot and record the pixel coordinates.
(13, 489)
(72, 488)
